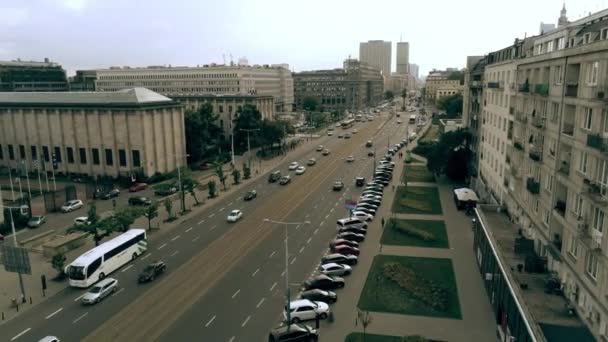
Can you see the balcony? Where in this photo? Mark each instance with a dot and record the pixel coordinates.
(533, 186)
(511, 110)
(518, 145)
(542, 89)
(568, 128)
(564, 168)
(595, 192)
(524, 88)
(536, 154)
(598, 142)
(571, 90)
(538, 122)
(521, 117)
(560, 207)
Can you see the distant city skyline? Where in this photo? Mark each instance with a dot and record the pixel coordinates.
(87, 34)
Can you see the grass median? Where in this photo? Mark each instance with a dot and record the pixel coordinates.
(417, 173)
(417, 200)
(358, 337)
(417, 233)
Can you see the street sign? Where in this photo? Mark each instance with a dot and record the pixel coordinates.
(350, 204)
(16, 260)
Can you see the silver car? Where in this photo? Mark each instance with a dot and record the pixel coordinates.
(333, 269)
(100, 291)
(36, 221)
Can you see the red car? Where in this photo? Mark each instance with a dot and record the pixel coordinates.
(138, 187)
(345, 249)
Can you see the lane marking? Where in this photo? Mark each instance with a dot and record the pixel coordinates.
(212, 228)
(54, 313)
(271, 254)
(316, 231)
(119, 291)
(273, 286)
(162, 246)
(200, 222)
(245, 321)
(322, 223)
(210, 321)
(236, 293)
(21, 333)
(297, 227)
(231, 339)
(283, 274)
(175, 238)
(292, 261)
(326, 216)
(210, 216)
(126, 268)
(174, 253)
(196, 238)
(260, 302)
(256, 272)
(222, 209)
(306, 216)
(230, 203)
(301, 249)
(189, 229)
(308, 241)
(78, 298)
(146, 256)
(80, 317)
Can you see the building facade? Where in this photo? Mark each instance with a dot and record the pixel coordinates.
(403, 58)
(32, 76)
(273, 80)
(92, 133)
(439, 80)
(472, 100)
(376, 53)
(414, 70)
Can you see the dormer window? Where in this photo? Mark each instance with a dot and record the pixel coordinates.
(604, 34)
(587, 38)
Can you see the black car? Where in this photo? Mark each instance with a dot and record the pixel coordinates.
(152, 271)
(320, 296)
(110, 194)
(139, 201)
(387, 157)
(250, 195)
(360, 181)
(294, 333)
(351, 236)
(324, 282)
(370, 153)
(352, 229)
(340, 258)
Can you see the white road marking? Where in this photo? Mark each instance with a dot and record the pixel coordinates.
(210, 321)
(236, 293)
(322, 223)
(231, 339)
(146, 256)
(230, 203)
(210, 216)
(201, 221)
(271, 254)
(260, 302)
(175, 238)
(126, 268)
(301, 249)
(162, 246)
(297, 227)
(174, 253)
(292, 261)
(282, 273)
(315, 207)
(326, 216)
(256, 272)
(21, 333)
(332, 210)
(119, 291)
(189, 229)
(79, 318)
(273, 286)
(222, 209)
(245, 321)
(196, 238)
(308, 241)
(306, 216)
(54, 313)
(316, 231)
(78, 298)
(212, 228)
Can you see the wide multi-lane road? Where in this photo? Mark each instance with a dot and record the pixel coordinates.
(225, 282)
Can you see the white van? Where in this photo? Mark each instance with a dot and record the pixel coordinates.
(351, 222)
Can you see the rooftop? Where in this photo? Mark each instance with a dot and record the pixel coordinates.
(125, 96)
(28, 63)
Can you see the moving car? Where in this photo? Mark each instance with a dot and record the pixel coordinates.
(110, 194)
(138, 187)
(36, 221)
(340, 258)
(293, 333)
(234, 215)
(250, 195)
(71, 206)
(293, 165)
(285, 180)
(275, 176)
(369, 143)
(304, 309)
(325, 152)
(360, 181)
(334, 269)
(151, 271)
(100, 291)
(300, 170)
(362, 215)
(337, 242)
(320, 148)
(350, 159)
(338, 186)
(351, 236)
(81, 221)
(140, 200)
(347, 136)
(412, 136)
(320, 295)
(324, 282)
(346, 250)
(311, 162)
(370, 153)
(49, 339)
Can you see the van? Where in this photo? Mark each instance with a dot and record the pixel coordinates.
(273, 177)
(351, 222)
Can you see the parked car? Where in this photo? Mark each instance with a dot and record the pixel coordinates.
(206, 166)
(351, 236)
(293, 165)
(368, 143)
(110, 194)
(250, 195)
(330, 133)
(1, 237)
(347, 136)
(36, 221)
(304, 309)
(71, 206)
(234, 215)
(100, 291)
(82, 221)
(293, 333)
(49, 339)
(166, 189)
(346, 250)
(370, 153)
(372, 201)
(338, 186)
(340, 258)
(340, 135)
(324, 282)
(151, 271)
(353, 229)
(138, 187)
(355, 131)
(366, 210)
(334, 269)
(320, 295)
(370, 196)
(139, 200)
(285, 180)
(362, 215)
(300, 170)
(311, 162)
(337, 242)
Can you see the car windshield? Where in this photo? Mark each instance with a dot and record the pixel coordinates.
(76, 273)
(149, 269)
(234, 212)
(95, 289)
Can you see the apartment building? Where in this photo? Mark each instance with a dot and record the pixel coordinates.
(471, 106)
(545, 99)
(272, 80)
(438, 84)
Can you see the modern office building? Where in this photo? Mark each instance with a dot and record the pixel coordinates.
(92, 133)
(376, 53)
(32, 76)
(414, 70)
(273, 80)
(544, 100)
(403, 58)
(355, 86)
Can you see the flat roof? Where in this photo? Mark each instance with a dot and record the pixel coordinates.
(131, 96)
(222, 96)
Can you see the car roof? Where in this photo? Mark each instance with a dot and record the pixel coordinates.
(106, 281)
(48, 339)
(300, 302)
(330, 264)
(283, 329)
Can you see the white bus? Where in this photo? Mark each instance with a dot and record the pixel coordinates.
(348, 123)
(358, 117)
(412, 119)
(104, 259)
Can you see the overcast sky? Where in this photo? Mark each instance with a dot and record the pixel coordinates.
(307, 34)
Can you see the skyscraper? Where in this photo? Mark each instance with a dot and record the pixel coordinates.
(403, 57)
(376, 53)
(414, 70)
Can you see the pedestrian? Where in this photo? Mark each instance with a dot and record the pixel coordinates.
(382, 222)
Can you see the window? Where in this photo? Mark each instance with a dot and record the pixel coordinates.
(136, 158)
(560, 43)
(95, 156)
(550, 46)
(587, 118)
(573, 247)
(122, 158)
(579, 205)
(57, 154)
(45, 153)
(592, 69)
(109, 157)
(555, 112)
(21, 152)
(83, 155)
(571, 42)
(1, 153)
(221, 109)
(546, 217)
(536, 206)
(582, 165)
(591, 265)
(604, 34)
(34, 152)
(70, 152)
(11, 152)
(598, 219)
(94, 266)
(558, 77)
(549, 183)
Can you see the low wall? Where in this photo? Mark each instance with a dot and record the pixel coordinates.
(36, 240)
(62, 244)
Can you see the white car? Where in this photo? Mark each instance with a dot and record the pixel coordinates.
(235, 215)
(304, 309)
(350, 159)
(293, 165)
(371, 196)
(362, 215)
(320, 148)
(355, 131)
(72, 205)
(81, 221)
(330, 133)
(300, 170)
(333, 269)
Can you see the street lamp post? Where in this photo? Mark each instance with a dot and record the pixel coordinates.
(287, 290)
(179, 180)
(249, 143)
(10, 210)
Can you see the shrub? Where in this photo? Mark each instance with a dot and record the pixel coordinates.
(424, 290)
(414, 232)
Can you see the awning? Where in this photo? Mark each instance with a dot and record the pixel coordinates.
(466, 195)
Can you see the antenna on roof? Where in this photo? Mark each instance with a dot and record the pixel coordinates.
(231, 62)
(224, 58)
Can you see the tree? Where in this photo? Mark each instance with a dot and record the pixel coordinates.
(450, 155)
(150, 213)
(94, 227)
(247, 119)
(452, 105)
(219, 171)
(310, 103)
(58, 264)
(365, 318)
(169, 208)
(246, 171)
(123, 219)
(190, 185)
(202, 131)
(236, 176)
(211, 186)
(389, 95)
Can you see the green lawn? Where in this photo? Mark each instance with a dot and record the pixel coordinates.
(358, 337)
(417, 200)
(407, 233)
(417, 173)
(431, 277)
